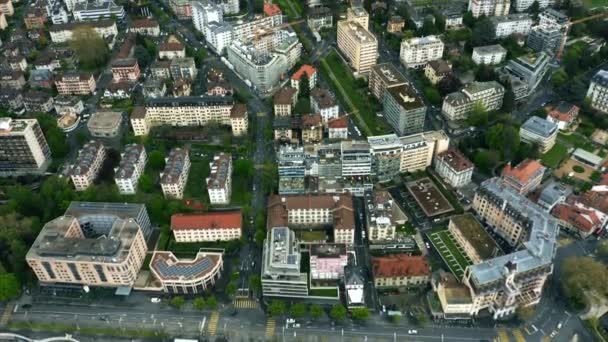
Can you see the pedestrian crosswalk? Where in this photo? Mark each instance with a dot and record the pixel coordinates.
(245, 304)
(6, 315)
(212, 327)
(515, 335)
(519, 337)
(270, 325)
(502, 335)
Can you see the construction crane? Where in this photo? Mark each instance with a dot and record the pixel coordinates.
(568, 25)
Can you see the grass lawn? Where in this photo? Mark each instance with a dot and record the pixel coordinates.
(196, 187)
(324, 292)
(554, 156)
(363, 106)
(315, 235)
(406, 228)
(577, 140)
(456, 261)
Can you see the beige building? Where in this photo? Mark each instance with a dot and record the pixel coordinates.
(284, 100)
(437, 70)
(190, 276)
(416, 52)
(489, 8)
(458, 105)
(219, 182)
(174, 177)
(358, 45)
(75, 83)
(454, 297)
(209, 226)
(539, 131)
(419, 150)
(454, 167)
(105, 124)
(132, 164)
(400, 271)
(359, 15)
(474, 240)
(312, 128)
(239, 122)
(384, 76)
(63, 254)
(87, 165)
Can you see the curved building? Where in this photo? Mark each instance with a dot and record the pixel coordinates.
(186, 275)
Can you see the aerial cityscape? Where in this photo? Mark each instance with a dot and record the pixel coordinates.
(304, 170)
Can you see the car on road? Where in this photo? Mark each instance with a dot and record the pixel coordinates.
(412, 332)
(155, 300)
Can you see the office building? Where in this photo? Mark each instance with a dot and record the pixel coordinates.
(404, 110)
(322, 102)
(87, 165)
(489, 54)
(291, 166)
(598, 91)
(523, 5)
(528, 69)
(507, 25)
(505, 283)
(356, 158)
(489, 8)
(23, 148)
(97, 10)
(386, 156)
(105, 124)
(281, 276)
(400, 271)
(327, 262)
(384, 76)
(64, 254)
(419, 150)
(186, 276)
(525, 177)
(455, 169)
(61, 33)
(458, 105)
(539, 131)
(209, 226)
(359, 46)
(75, 83)
(382, 216)
(132, 165)
(219, 182)
(174, 177)
(416, 52)
(97, 218)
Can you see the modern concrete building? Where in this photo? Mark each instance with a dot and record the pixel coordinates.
(75, 83)
(97, 218)
(523, 5)
(359, 15)
(174, 177)
(97, 10)
(550, 32)
(419, 150)
(64, 254)
(528, 69)
(382, 215)
(132, 164)
(219, 182)
(356, 158)
(505, 283)
(400, 271)
(598, 91)
(209, 226)
(416, 52)
(489, 8)
(186, 276)
(539, 131)
(23, 148)
(507, 25)
(458, 105)
(404, 110)
(359, 46)
(384, 76)
(489, 54)
(525, 177)
(87, 165)
(105, 124)
(454, 168)
(386, 156)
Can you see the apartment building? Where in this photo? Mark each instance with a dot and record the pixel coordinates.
(319, 18)
(230, 6)
(292, 165)
(171, 49)
(239, 121)
(281, 274)
(68, 104)
(23, 148)
(186, 276)
(181, 8)
(356, 158)
(437, 70)
(598, 91)
(579, 221)
(454, 297)
(97, 10)
(284, 100)
(563, 115)
(61, 33)
(505, 283)
(404, 110)
(312, 128)
(97, 218)
(489, 54)
(87, 165)
(489, 8)
(455, 169)
(37, 101)
(507, 25)
(384, 76)
(63, 254)
(305, 70)
(337, 128)
(204, 14)
(12, 79)
(419, 150)
(125, 70)
(132, 164)
(359, 15)
(322, 102)
(146, 27)
(528, 69)
(11, 99)
(395, 24)
(209, 226)
(416, 52)
(400, 271)
(183, 68)
(458, 105)
(327, 262)
(525, 177)
(469, 234)
(219, 182)
(174, 177)
(386, 156)
(523, 5)
(539, 131)
(550, 32)
(359, 46)
(75, 83)
(383, 215)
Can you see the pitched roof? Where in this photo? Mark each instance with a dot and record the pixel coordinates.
(284, 96)
(144, 23)
(306, 68)
(339, 122)
(271, 9)
(210, 220)
(400, 265)
(311, 120)
(239, 110)
(523, 172)
(455, 159)
(582, 219)
(564, 112)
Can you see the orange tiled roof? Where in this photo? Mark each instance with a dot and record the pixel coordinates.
(524, 171)
(306, 68)
(339, 122)
(271, 9)
(400, 265)
(582, 219)
(222, 220)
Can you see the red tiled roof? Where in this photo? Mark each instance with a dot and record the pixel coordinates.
(271, 9)
(456, 160)
(311, 120)
(582, 219)
(146, 22)
(524, 171)
(400, 265)
(222, 220)
(308, 69)
(339, 122)
(564, 112)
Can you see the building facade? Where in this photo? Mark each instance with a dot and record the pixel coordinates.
(598, 91)
(209, 226)
(539, 131)
(132, 164)
(87, 165)
(525, 177)
(23, 147)
(174, 177)
(400, 271)
(359, 46)
(454, 168)
(458, 105)
(416, 52)
(219, 182)
(489, 54)
(404, 110)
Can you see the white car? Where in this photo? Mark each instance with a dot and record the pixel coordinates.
(155, 300)
(412, 332)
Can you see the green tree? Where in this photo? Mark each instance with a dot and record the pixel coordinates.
(54, 136)
(255, 283)
(338, 312)
(156, 160)
(276, 308)
(428, 27)
(483, 32)
(143, 56)
(231, 288)
(177, 302)
(145, 183)
(260, 236)
(432, 95)
(560, 78)
(297, 310)
(534, 9)
(360, 314)
(212, 302)
(395, 318)
(578, 286)
(485, 73)
(10, 287)
(508, 101)
(90, 47)
(315, 311)
(199, 303)
(468, 19)
(304, 87)
(486, 160)
(478, 117)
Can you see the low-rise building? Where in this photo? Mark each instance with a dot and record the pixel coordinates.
(552, 194)
(400, 271)
(507, 25)
(174, 177)
(217, 84)
(132, 164)
(87, 165)
(11, 100)
(125, 70)
(105, 124)
(458, 105)
(384, 76)
(6, 7)
(337, 128)
(563, 115)
(181, 8)
(404, 110)
(489, 54)
(469, 234)
(419, 150)
(382, 215)
(172, 48)
(489, 7)
(186, 276)
(61, 33)
(582, 222)
(525, 177)
(312, 128)
(437, 70)
(75, 83)
(327, 262)
(154, 87)
(322, 102)
(597, 92)
(319, 18)
(395, 24)
(454, 168)
(161, 69)
(416, 52)
(539, 131)
(183, 68)
(68, 104)
(12, 79)
(42, 78)
(209, 226)
(37, 101)
(146, 27)
(284, 100)
(454, 297)
(219, 182)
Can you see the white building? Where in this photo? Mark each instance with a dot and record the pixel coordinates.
(419, 150)
(598, 91)
(458, 105)
(219, 182)
(416, 52)
(96, 10)
(359, 46)
(359, 15)
(209, 226)
(174, 177)
(539, 131)
(523, 5)
(230, 6)
(489, 8)
(61, 33)
(322, 102)
(489, 54)
(507, 25)
(131, 167)
(454, 168)
(87, 165)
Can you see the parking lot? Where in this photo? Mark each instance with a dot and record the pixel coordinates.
(452, 254)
